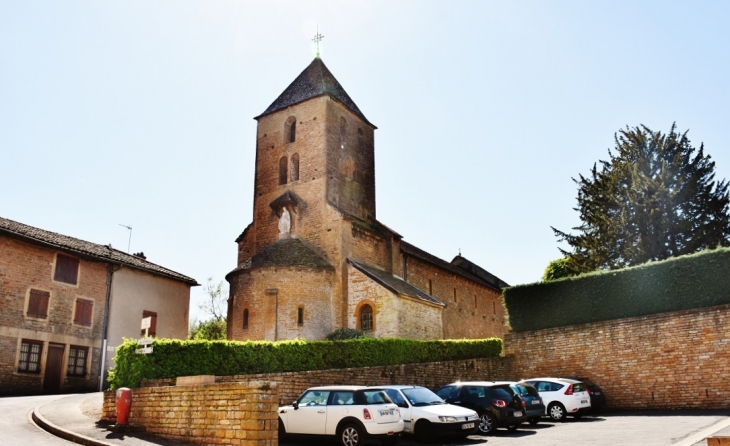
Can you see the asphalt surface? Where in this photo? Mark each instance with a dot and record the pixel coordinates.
(76, 416)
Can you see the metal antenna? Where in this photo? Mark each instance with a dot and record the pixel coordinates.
(130, 236)
(317, 38)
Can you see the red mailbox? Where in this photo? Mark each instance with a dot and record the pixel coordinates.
(124, 404)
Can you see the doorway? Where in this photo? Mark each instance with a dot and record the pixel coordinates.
(54, 368)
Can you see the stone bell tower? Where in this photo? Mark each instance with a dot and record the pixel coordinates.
(315, 166)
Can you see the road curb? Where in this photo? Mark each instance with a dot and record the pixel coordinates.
(73, 437)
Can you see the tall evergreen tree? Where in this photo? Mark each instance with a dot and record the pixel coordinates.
(655, 197)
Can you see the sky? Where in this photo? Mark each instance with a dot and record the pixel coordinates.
(140, 113)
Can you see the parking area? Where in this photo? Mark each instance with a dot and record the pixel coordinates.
(679, 428)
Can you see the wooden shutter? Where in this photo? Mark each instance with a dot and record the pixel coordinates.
(38, 303)
(84, 312)
(67, 269)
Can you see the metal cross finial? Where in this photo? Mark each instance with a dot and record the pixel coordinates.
(317, 38)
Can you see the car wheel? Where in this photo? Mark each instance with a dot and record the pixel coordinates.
(351, 435)
(487, 423)
(513, 427)
(424, 431)
(556, 411)
(534, 421)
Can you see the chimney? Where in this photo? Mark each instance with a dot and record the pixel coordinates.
(140, 255)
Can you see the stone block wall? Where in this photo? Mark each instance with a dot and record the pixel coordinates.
(243, 414)
(677, 360)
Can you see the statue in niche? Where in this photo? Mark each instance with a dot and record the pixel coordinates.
(284, 222)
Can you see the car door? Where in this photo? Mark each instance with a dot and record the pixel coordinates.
(341, 404)
(547, 390)
(310, 417)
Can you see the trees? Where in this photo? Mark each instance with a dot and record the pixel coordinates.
(655, 197)
(216, 307)
(557, 269)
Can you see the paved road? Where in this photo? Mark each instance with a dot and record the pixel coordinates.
(650, 429)
(16, 429)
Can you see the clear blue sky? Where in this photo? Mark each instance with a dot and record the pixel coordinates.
(141, 113)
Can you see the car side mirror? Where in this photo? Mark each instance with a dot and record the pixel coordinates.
(296, 405)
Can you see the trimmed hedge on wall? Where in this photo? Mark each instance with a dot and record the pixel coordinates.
(692, 281)
(172, 358)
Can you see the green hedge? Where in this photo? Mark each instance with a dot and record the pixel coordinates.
(172, 358)
(692, 281)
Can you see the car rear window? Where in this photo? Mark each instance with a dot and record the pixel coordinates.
(579, 387)
(376, 397)
(525, 390)
(500, 392)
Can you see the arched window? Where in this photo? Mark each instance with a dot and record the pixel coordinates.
(366, 318)
(295, 167)
(290, 129)
(282, 170)
(343, 132)
(245, 319)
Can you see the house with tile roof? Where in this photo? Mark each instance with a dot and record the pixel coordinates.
(316, 258)
(65, 304)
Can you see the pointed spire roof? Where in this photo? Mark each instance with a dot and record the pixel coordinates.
(316, 80)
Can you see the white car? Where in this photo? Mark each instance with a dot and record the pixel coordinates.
(352, 414)
(426, 415)
(562, 397)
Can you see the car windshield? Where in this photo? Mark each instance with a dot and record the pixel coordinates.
(420, 396)
(376, 397)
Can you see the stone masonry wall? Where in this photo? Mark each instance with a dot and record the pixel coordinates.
(678, 360)
(472, 311)
(243, 414)
(25, 266)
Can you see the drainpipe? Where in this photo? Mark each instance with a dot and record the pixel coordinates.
(105, 326)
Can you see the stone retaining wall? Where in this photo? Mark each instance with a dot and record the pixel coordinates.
(677, 360)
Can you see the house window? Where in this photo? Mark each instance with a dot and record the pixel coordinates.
(295, 167)
(83, 312)
(282, 170)
(30, 356)
(300, 316)
(366, 318)
(153, 323)
(77, 361)
(245, 319)
(67, 269)
(290, 129)
(38, 304)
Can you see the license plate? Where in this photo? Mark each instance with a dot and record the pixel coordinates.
(467, 426)
(385, 413)
(583, 401)
(535, 402)
(518, 414)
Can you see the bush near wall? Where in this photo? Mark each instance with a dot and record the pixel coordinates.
(692, 281)
(172, 358)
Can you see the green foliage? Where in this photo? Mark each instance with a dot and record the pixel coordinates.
(655, 198)
(173, 358)
(345, 333)
(557, 269)
(692, 281)
(211, 330)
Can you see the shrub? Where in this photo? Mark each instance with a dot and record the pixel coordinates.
(345, 333)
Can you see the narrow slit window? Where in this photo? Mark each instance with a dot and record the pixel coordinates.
(295, 167)
(300, 316)
(454, 294)
(290, 129)
(282, 170)
(430, 287)
(245, 319)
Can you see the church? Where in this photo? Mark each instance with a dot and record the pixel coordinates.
(316, 258)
